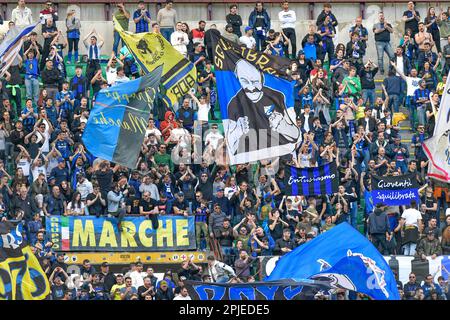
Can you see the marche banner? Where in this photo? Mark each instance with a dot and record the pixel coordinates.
(437, 148)
(311, 181)
(11, 45)
(89, 233)
(117, 123)
(345, 259)
(21, 276)
(151, 50)
(273, 290)
(256, 102)
(395, 190)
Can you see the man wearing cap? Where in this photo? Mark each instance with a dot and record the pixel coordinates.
(137, 275)
(229, 35)
(164, 292)
(215, 221)
(180, 206)
(60, 172)
(247, 39)
(106, 277)
(429, 246)
(223, 201)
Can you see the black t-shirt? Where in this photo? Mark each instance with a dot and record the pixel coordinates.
(277, 232)
(134, 203)
(205, 73)
(148, 205)
(96, 207)
(162, 206)
(104, 180)
(141, 290)
(412, 24)
(180, 205)
(58, 292)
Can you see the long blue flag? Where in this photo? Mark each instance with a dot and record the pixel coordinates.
(116, 126)
(345, 258)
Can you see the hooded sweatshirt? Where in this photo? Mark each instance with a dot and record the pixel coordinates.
(166, 123)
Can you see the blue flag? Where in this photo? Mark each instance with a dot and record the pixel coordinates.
(116, 126)
(256, 103)
(11, 45)
(312, 181)
(345, 258)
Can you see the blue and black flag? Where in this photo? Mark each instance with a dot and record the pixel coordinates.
(312, 181)
(117, 123)
(256, 102)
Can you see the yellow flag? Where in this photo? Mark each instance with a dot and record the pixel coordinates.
(151, 50)
(21, 276)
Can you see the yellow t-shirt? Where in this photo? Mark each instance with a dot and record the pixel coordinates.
(115, 291)
(360, 112)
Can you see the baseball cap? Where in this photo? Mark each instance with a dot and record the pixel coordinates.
(228, 26)
(105, 264)
(300, 52)
(220, 189)
(248, 28)
(60, 159)
(182, 278)
(163, 283)
(181, 194)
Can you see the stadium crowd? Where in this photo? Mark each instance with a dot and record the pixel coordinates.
(241, 212)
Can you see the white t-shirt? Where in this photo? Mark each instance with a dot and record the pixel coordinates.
(249, 42)
(400, 65)
(121, 80)
(25, 165)
(213, 138)
(76, 209)
(45, 146)
(180, 297)
(111, 75)
(37, 170)
(203, 111)
(411, 215)
(137, 278)
(412, 85)
(287, 19)
(155, 131)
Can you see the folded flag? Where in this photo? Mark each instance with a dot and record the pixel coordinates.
(343, 257)
(117, 123)
(22, 277)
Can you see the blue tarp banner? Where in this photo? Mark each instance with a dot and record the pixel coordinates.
(343, 257)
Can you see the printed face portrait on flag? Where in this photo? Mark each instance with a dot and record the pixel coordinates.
(256, 104)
